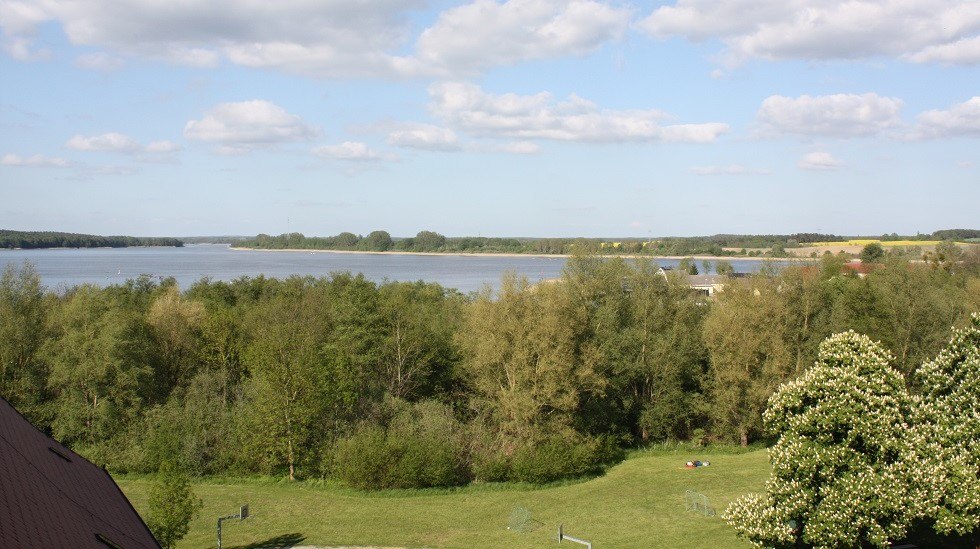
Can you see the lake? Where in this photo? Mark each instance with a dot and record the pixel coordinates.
(63, 268)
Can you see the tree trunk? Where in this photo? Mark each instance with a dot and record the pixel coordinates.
(743, 435)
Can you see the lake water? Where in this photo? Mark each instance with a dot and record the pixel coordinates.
(63, 268)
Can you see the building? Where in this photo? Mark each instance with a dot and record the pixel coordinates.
(53, 497)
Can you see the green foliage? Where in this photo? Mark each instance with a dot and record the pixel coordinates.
(951, 413)
(846, 468)
(872, 253)
(421, 447)
(745, 336)
(23, 316)
(376, 241)
(559, 458)
(47, 239)
(172, 506)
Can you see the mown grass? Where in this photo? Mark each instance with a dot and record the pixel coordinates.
(638, 503)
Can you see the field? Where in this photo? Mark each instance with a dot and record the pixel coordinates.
(638, 503)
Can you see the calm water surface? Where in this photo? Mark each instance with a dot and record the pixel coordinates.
(61, 269)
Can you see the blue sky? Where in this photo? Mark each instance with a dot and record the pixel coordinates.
(517, 118)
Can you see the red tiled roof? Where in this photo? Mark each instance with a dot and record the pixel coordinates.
(53, 497)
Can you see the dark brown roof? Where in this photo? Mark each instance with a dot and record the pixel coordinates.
(53, 497)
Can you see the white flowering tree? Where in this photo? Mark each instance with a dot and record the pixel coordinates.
(846, 468)
(951, 412)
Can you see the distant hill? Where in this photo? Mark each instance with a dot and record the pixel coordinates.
(47, 239)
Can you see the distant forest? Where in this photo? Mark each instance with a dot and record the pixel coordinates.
(718, 245)
(47, 239)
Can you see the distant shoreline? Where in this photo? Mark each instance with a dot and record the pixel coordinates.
(541, 256)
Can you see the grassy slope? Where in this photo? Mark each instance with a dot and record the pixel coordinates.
(639, 503)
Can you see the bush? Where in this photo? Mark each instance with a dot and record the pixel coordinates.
(557, 459)
(421, 448)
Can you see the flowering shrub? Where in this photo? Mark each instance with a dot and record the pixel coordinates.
(847, 467)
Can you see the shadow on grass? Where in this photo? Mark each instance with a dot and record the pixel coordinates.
(279, 542)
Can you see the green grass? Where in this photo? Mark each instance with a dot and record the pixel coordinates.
(638, 503)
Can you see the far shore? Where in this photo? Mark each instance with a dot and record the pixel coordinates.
(543, 256)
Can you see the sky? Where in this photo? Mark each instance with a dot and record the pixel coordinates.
(489, 118)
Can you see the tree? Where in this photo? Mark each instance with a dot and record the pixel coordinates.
(846, 468)
(286, 364)
(99, 374)
(416, 349)
(377, 241)
(872, 253)
(688, 266)
(172, 506)
(724, 268)
(523, 362)
(346, 240)
(176, 324)
(745, 336)
(951, 405)
(428, 241)
(22, 331)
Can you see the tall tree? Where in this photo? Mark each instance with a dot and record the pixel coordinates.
(22, 331)
(286, 362)
(745, 335)
(176, 324)
(99, 373)
(417, 351)
(523, 363)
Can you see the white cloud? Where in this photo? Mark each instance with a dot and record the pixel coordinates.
(109, 142)
(962, 119)
(339, 38)
(841, 115)
(467, 108)
(425, 137)
(155, 152)
(240, 127)
(35, 161)
(487, 33)
(732, 169)
(348, 150)
(818, 161)
(99, 61)
(825, 29)
(961, 52)
(519, 147)
(162, 147)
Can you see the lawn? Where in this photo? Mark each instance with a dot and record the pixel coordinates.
(638, 503)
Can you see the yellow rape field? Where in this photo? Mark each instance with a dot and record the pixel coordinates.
(884, 243)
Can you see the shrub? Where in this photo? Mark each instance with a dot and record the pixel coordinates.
(421, 448)
(557, 459)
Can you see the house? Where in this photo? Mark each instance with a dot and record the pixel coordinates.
(707, 284)
(704, 284)
(53, 497)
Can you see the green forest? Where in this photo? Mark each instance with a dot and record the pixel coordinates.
(46, 239)
(716, 245)
(416, 385)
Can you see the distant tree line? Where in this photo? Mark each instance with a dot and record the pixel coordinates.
(413, 385)
(428, 241)
(44, 239)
